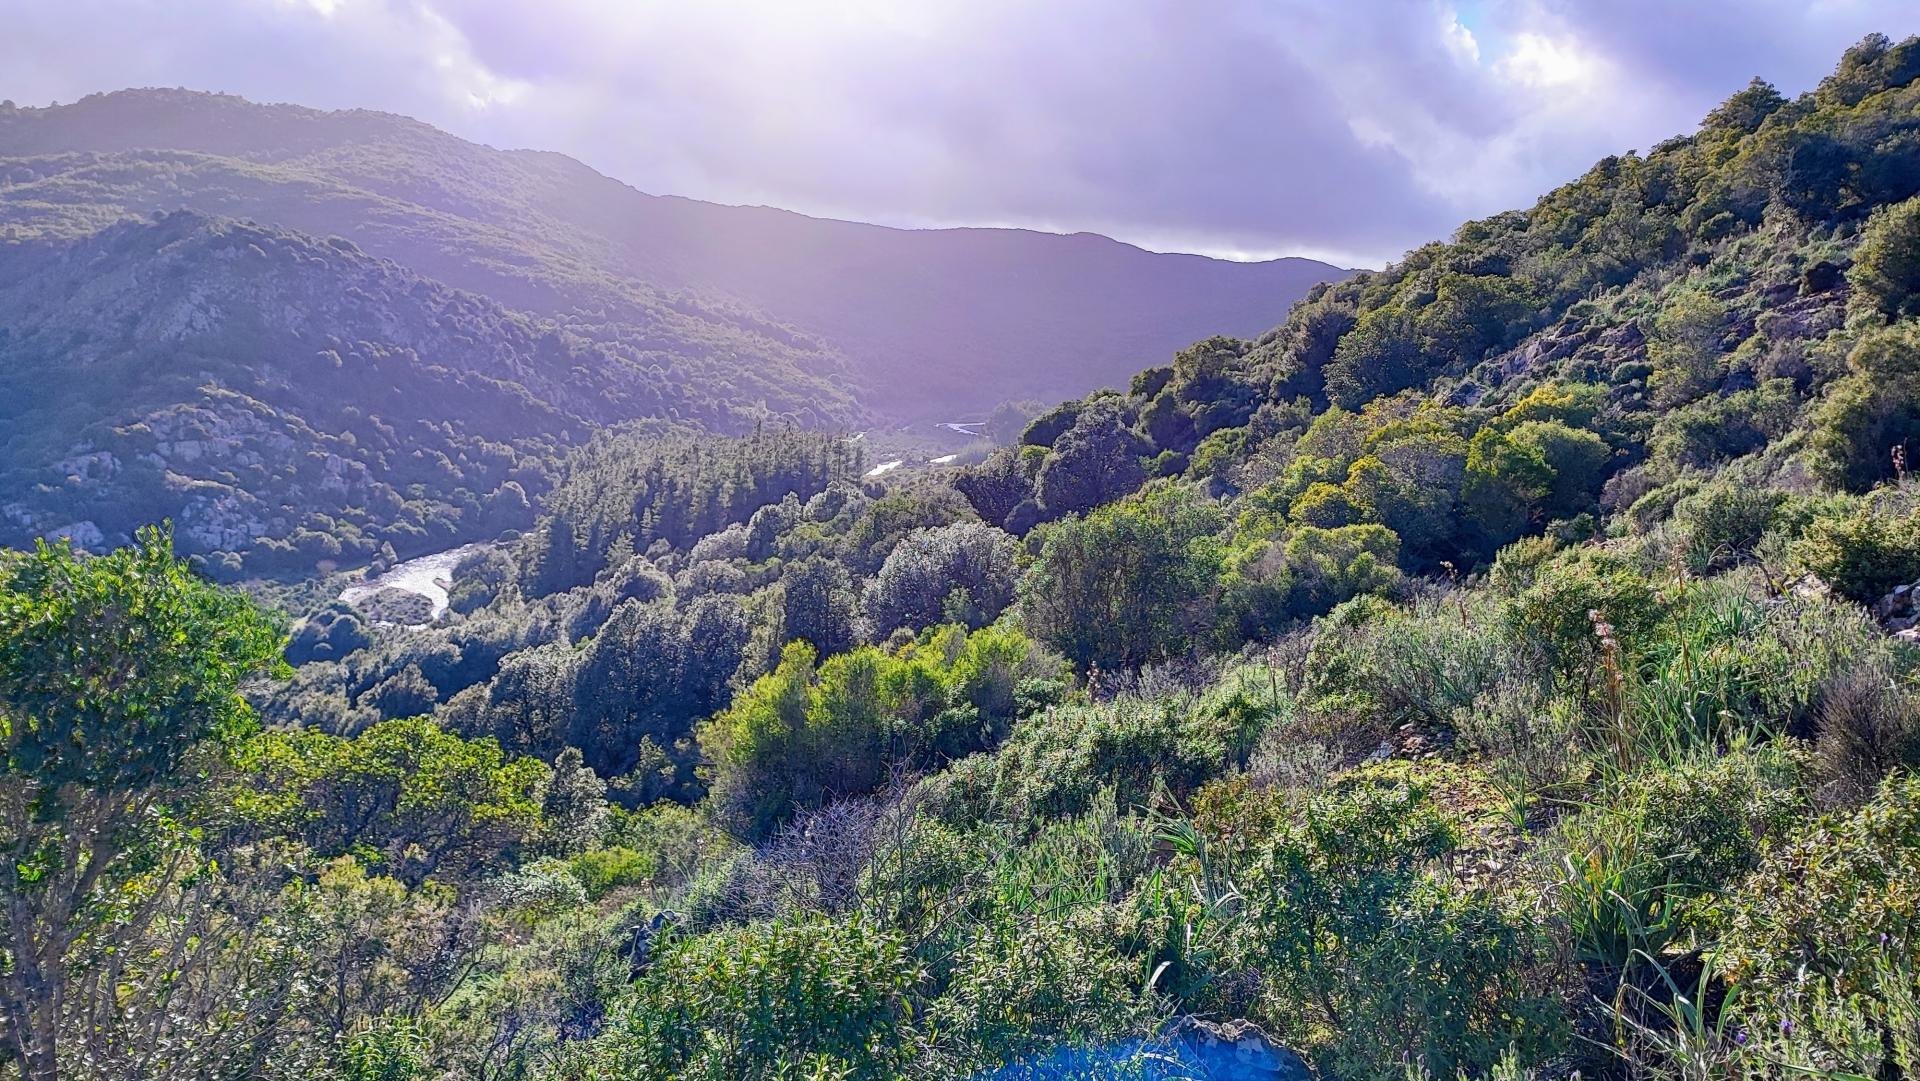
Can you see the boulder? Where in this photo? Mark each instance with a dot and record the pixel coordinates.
(1626, 337)
(638, 948)
(1899, 608)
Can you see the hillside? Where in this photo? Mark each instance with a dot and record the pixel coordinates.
(251, 383)
(1507, 669)
(931, 321)
(1504, 666)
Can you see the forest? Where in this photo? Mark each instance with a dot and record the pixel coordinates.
(1506, 667)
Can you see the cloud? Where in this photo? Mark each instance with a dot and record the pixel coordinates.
(1247, 127)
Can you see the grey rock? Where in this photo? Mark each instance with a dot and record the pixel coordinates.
(81, 534)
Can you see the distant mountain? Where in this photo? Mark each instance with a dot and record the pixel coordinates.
(252, 383)
(928, 321)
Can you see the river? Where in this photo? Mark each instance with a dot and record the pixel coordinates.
(430, 576)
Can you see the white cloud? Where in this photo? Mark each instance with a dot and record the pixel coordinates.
(1243, 126)
(1460, 40)
(1541, 61)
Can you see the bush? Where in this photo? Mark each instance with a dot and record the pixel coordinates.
(1867, 725)
(1723, 523)
(1835, 899)
(802, 735)
(1864, 554)
(1131, 583)
(961, 573)
(1367, 958)
(329, 635)
(1886, 267)
(1552, 612)
(1018, 987)
(781, 1000)
(1707, 821)
(1637, 871)
(603, 870)
(1418, 665)
(390, 1049)
(1059, 762)
(1871, 411)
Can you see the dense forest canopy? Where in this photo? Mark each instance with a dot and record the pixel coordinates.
(1504, 667)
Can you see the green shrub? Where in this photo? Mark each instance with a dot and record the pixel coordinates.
(1886, 268)
(603, 870)
(1635, 872)
(1867, 1026)
(1555, 612)
(762, 1001)
(1864, 554)
(1416, 665)
(1368, 959)
(1057, 763)
(805, 734)
(1723, 523)
(1869, 412)
(1016, 988)
(1705, 820)
(1837, 897)
(1130, 583)
(1453, 984)
(390, 1049)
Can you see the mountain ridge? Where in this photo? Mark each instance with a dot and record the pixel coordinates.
(1029, 313)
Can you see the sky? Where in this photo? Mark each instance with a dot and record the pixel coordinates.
(1350, 130)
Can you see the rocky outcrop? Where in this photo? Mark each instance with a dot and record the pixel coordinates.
(1899, 612)
(1536, 355)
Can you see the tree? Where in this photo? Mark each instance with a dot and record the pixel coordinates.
(1685, 349)
(1128, 584)
(1094, 463)
(1211, 384)
(425, 800)
(1871, 411)
(1577, 458)
(1380, 355)
(964, 572)
(1505, 481)
(818, 600)
(1003, 482)
(118, 688)
(1886, 268)
(1744, 111)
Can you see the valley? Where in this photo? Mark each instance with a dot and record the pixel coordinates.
(596, 635)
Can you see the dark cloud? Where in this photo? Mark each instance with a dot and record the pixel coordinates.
(1241, 126)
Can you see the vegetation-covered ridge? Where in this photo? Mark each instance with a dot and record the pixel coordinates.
(295, 401)
(1504, 668)
(919, 323)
